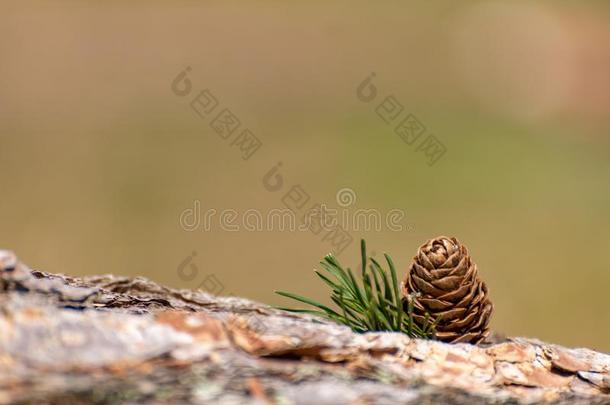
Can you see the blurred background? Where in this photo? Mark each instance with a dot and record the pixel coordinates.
(101, 155)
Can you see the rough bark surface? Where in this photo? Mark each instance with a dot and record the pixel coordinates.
(109, 339)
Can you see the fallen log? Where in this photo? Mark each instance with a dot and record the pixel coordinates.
(111, 339)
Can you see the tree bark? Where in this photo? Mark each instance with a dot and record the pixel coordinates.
(109, 339)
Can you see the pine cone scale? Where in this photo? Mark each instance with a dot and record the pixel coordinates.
(444, 285)
(425, 262)
(456, 295)
(470, 337)
(422, 272)
(473, 297)
(448, 283)
(435, 304)
(440, 273)
(426, 287)
(462, 266)
(463, 322)
(452, 262)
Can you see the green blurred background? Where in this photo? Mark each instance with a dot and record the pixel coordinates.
(100, 157)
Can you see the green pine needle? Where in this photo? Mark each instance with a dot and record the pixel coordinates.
(373, 305)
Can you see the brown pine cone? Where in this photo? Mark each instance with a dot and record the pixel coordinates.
(443, 282)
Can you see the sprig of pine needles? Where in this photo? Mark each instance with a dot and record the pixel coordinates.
(374, 306)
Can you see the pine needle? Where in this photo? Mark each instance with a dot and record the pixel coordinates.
(374, 304)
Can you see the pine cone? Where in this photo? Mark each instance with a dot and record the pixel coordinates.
(443, 282)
